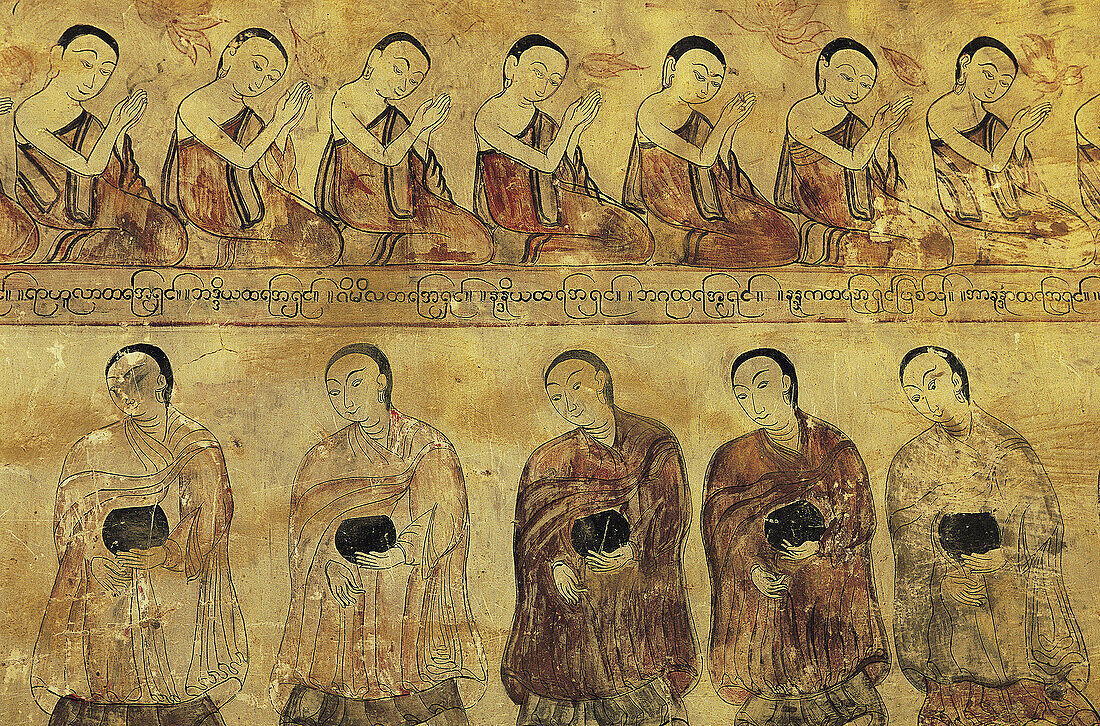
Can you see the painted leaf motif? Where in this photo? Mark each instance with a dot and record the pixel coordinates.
(742, 21)
(607, 65)
(310, 56)
(1074, 75)
(905, 67)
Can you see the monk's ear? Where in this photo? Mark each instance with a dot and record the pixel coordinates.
(667, 71)
(382, 381)
(787, 388)
(510, 64)
(957, 384)
(55, 60)
(162, 388)
(372, 61)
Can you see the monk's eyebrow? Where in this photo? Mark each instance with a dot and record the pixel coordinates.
(758, 374)
(990, 65)
(407, 64)
(87, 50)
(352, 373)
(925, 376)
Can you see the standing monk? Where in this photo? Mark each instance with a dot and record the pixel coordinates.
(211, 174)
(18, 232)
(142, 627)
(379, 179)
(982, 623)
(531, 185)
(796, 633)
(838, 173)
(77, 176)
(380, 630)
(1087, 121)
(602, 635)
(987, 181)
(683, 175)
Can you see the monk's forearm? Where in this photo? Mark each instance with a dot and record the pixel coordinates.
(399, 148)
(865, 150)
(250, 155)
(1004, 150)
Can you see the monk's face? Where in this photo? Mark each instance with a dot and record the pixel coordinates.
(848, 76)
(697, 76)
(397, 71)
(134, 382)
(763, 391)
(83, 69)
(354, 383)
(933, 389)
(988, 75)
(537, 74)
(254, 66)
(575, 389)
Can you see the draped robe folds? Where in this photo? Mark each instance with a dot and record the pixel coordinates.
(411, 629)
(107, 219)
(560, 218)
(18, 232)
(632, 625)
(854, 217)
(175, 634)
(257, 222)
(1088, 177)
(827, 627)
(1001, 660)
(1007, 217)
(706, 217)
(401, 214)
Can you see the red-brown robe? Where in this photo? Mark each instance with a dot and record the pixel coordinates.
(258, 223)
(18, 232)
(705, 217)
(561, 218)
(1014, 658)
(1007, 216)
(401, 214)
(854, 217)
(175, 635)
(827, 628)
(633, 625)
(411, 629)
(1088, 177)
(108, 219)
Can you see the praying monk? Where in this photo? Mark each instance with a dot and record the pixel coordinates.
(380, 631)
(796, 633)
(379, 179)
(142, 627)
(77, 176)
(211, 173)
(838, 174)
(531, 186)
(987, 181)
(1087, 122)
(982, 623)
(602, 635)
(684, 177)
(18, 232)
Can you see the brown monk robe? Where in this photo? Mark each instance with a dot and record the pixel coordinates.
(824, 639)
(260, 224)
(708, 217)
(1088, 177)
(108, 219)
(405, 213)
(559, 216)
(855, 216)
(18, 233)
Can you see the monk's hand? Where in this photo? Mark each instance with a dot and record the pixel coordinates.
(898, 112)
(611, 561)
(567, 583)
(110, 576)
(5, 105)
(983, 564)
(963, 587)
(1036, 115)
(128, 111)
(341, 584)
(139, 559)
(809, 548)
(768, 583)
(431, 114)
(392, 557)
(738, 109)
(582, 111)
(291, 107)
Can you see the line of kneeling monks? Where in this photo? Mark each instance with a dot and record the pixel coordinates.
(143, 623)
(230, 184)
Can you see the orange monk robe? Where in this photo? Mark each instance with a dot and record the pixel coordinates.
(175, 635)
(827, 627)
(559, 218)
(706, 217)
(401, 214)
(411, 628)
(1008, 216)
(108, 219)
(855, 216)
(259, 223)
(18, 232)
(1088, 177)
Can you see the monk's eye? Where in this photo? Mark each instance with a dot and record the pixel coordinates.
(105, 71)
(257, 66)
(538, 74)
(699, 76)
(716, 84)
(742, 396)
(576, 386)
(931, 385)
(554, 83)
(86, 64)
(845, 76)
(334, 392)
(555, 398)
(355, 384)
(988, 75)
(916, 399)
(866, 85)
(398, 71)
(762, 384)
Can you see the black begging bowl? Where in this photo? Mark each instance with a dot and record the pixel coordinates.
(798, 522)
(604, 531)
(132, 528)
(969, 533)
(366, 535)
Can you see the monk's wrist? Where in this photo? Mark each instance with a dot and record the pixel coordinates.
(173, 556)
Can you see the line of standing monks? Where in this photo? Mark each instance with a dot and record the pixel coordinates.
(381, 196)
(143, 625)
